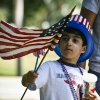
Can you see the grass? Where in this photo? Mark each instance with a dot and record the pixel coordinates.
(9, 67)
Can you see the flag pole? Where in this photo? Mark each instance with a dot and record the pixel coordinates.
(44, 57)
(35, 71)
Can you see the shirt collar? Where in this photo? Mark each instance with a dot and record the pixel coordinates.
(68, 64)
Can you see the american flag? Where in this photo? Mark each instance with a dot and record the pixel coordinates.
(18, 42)
(40, 52)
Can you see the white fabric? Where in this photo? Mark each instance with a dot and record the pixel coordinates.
(51, 81)
(94, 6)
(82, 20)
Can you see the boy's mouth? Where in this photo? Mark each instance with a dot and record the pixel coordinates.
(68, 49)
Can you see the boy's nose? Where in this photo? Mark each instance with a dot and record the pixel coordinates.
(69, 42)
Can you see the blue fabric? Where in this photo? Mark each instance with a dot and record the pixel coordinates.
(98, 81)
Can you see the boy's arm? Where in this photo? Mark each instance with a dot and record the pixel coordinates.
(89, 15)
(91, 18)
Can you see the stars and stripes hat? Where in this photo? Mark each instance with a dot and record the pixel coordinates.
(82, 24)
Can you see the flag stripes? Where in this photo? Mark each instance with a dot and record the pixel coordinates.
(18, 42)
(40, 52)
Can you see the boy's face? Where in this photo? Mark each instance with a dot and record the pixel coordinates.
(71, 46)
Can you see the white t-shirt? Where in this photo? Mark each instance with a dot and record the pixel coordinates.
(94, 6)
(53, 83)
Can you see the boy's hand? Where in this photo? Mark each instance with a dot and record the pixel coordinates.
(31, 76)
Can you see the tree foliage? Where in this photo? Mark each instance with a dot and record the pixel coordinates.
(6, 10)
(38, 11)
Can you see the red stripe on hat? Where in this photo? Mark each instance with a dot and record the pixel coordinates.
(74, 17)
(82, 20)
(78, 18)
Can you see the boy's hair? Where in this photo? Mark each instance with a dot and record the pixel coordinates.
(77, 32)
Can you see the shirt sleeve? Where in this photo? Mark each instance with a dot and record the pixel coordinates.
(42, 78)
(32, 86)
(43, 75)
(92, 5)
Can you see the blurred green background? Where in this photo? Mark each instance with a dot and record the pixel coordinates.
(39, 14)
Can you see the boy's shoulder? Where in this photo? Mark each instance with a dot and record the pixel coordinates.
(51, 62)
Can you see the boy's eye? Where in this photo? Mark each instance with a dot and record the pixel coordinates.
(67, 39)
(75, 40)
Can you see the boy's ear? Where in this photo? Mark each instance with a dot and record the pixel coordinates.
(83, 49)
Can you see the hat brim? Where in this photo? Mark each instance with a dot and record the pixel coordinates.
(90, 42)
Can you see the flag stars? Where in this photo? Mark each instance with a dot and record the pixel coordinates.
(49, 29)
(62, 30)
(45, 34)
(58, 23)
(54, 30)
(52, 26)
(49, 32)
(52, 34)
(65, 26)
(64, 20)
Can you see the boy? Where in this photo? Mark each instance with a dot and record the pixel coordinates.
(62, 79)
